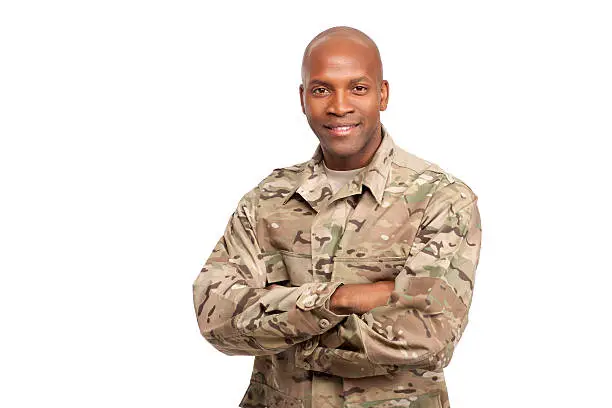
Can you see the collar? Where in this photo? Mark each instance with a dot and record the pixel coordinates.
(313, 186)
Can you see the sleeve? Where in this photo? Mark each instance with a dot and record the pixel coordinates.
(427, 312)
(235, 311)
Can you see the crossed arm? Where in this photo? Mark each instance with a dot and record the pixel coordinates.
(357, 298)
(427, 310)
(415, 320)
(235, 310)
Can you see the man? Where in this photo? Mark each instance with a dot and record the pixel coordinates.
(349, 276)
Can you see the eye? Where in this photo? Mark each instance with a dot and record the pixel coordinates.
(319, 91)
(361, 88)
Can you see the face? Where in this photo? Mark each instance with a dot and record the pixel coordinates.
(342, 96)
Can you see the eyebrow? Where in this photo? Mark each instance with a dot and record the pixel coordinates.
(320, 82)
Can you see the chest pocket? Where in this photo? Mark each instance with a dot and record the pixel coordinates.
(367, 270)
(296, 269)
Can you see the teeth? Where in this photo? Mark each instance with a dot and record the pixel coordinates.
(342, 127)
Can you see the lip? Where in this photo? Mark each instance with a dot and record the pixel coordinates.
(342, 132)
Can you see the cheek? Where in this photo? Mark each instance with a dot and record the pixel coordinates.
(314, 107)
(368, 107)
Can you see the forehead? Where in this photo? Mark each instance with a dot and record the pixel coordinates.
(340, 59)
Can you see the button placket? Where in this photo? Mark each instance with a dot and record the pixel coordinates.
(326, 233)
(320, 259)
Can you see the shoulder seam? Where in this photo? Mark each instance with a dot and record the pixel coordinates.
(411, 161)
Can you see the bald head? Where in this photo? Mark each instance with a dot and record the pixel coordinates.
(342, 94)
(342, 38)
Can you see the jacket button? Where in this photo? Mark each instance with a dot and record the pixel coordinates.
(323, 323)
(310, 301)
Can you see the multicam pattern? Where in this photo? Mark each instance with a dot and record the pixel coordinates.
(401, 219)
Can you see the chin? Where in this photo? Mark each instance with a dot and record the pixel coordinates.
(343, 150)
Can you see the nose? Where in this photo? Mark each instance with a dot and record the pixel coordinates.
(340, 104)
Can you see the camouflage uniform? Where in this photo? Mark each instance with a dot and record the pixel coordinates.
(403, 219)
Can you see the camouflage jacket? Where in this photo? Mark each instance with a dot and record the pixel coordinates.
(403, 219)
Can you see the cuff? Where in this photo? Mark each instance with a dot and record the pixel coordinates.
(316, 295)
(315, 299)
(339, 362)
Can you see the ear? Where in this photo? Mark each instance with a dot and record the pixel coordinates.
(302, 98)
(384, 95)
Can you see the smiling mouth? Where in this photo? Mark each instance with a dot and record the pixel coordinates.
(341, 130)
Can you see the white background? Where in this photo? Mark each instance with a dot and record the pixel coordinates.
(130, 129)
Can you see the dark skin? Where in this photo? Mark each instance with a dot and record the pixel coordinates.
(341, 84)
(358, 298)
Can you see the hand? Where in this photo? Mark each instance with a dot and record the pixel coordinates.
(360, 298)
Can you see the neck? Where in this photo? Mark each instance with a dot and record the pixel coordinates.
(358, 160)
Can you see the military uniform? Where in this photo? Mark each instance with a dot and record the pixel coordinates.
(402, 218)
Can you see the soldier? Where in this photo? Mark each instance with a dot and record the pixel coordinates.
(348, 276)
